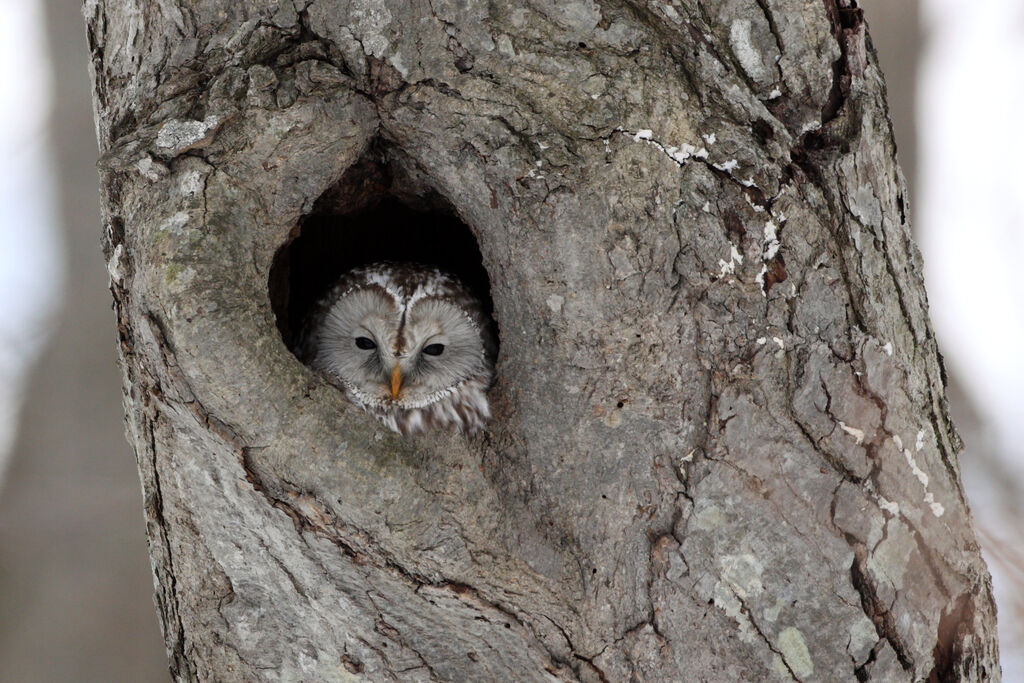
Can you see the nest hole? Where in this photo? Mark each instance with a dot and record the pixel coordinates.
(372, 214)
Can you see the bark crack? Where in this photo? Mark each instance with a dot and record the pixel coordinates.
(774, 29)
(393, 634)
(181, 666)
(861, 670)
(954, 627)
(745, 610)
(846, 20)
(684, 153)
(879, 614)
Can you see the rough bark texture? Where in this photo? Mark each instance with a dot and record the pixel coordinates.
(721, 449)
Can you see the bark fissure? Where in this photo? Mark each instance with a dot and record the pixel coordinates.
(774, 30)
(846, 19)
(861, 672)
(180, 665)
(879, 613)
(768, 643)
(953, 626)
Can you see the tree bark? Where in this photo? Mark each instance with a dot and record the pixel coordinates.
(720, 449)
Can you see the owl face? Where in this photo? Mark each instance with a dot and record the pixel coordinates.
(409, 344)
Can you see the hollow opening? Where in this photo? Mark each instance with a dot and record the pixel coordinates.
(372, 214)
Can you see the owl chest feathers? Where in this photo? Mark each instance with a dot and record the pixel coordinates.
(464, 406)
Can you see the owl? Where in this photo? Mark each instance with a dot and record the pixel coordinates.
(410, 344)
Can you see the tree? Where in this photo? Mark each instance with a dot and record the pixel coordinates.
(720, 449)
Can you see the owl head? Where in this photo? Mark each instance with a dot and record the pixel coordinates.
(409, 344)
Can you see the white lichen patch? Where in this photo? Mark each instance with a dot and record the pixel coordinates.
(889, 506)
(369, 23)
(771, 241)
(938, 509)
(729, 267)
(759, 279)
(151, 170)
(742, 573)
(399, 64)
(740, 579)
(769, 249)
(680, 154)
(308, 661)
(177, 136)
(115, 268)
(929, 498)
(191, 183)
(794, 651)
(684, 152)
(857, 434)
(730, 604)
(809, 126)
(746, 52)
(175, 223)
(921, 475)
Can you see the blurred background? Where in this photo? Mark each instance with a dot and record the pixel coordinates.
(75, 587)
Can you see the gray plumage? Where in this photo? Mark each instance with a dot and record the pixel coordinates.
(409, 344)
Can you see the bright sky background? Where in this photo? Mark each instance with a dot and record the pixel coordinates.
(970, 220)
(30, 256)
(971, 111)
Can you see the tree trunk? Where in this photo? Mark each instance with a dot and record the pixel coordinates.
(720, 448)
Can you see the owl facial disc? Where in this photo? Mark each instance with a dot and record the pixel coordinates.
(409, 344)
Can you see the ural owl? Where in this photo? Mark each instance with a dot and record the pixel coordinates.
(410, 344)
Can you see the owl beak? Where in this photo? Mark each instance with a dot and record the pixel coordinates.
(396, 381)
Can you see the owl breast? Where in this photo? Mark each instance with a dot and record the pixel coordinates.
(409, 344)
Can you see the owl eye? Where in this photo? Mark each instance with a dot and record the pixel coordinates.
(365, 343)
(433, 349)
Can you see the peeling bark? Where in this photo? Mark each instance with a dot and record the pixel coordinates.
(721, 449)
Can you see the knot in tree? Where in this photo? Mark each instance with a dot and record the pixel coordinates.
(718, 446)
